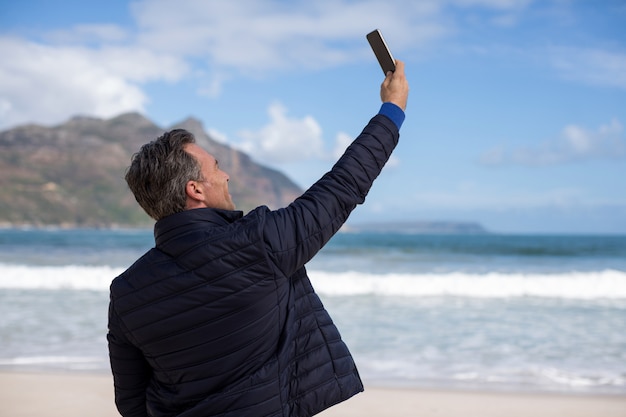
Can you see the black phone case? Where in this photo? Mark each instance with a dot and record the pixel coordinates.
(385, 59)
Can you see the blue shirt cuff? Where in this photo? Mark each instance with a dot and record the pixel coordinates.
(393, 112)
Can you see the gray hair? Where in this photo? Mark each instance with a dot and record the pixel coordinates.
(159, 172)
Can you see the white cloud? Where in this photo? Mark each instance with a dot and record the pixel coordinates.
(51, 83)
(575, 143)
(501, 13)
(217, 136)
(101, 69)
(84, 33)
(48, 84)
(494, 4)
(342, 141)
(471, 195)
(284, 139)
(591, 66)
(288, 143)
(212, 88)
(5, 108)
(252, 35)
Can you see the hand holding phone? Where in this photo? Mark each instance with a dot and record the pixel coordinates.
(379, 46)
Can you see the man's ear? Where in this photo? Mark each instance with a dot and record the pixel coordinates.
(195, 194)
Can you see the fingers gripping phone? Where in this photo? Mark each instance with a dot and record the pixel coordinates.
(385, 59)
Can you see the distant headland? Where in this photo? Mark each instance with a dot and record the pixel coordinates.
(418, 227)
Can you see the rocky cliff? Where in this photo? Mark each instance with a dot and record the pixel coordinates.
(73, 174)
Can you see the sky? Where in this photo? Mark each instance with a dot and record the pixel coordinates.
(516, 116)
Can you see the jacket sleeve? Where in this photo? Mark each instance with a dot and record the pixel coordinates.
(131, 372)
(296, 233)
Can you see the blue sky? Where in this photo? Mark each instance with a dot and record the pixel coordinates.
(516, 117)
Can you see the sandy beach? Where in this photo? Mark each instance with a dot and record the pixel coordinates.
(80, 395)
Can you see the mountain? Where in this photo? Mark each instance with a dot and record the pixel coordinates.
(73, 174)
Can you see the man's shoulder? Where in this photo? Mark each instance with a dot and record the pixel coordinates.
(131, 279)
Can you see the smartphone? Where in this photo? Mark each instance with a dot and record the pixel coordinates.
(385, 59)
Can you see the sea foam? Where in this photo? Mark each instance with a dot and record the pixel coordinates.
(72, 277)
(608, 283)
(576, 285)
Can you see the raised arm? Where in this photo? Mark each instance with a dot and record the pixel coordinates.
(296, 233)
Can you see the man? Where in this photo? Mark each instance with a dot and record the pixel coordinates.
(220, 318)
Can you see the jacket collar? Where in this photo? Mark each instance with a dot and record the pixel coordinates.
(177, 223)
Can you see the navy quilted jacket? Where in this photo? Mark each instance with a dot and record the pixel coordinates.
(220, 318)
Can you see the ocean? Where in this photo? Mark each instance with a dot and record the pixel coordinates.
(488, 311)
